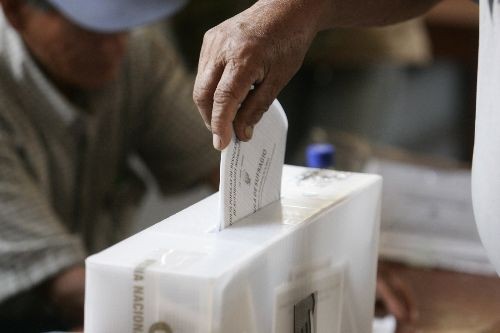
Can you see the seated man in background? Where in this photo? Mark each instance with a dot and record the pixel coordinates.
(80, 95)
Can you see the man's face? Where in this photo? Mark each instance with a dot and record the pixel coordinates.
(72, 56)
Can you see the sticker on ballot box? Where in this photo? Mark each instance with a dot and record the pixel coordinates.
(311, 303)
(250, 172)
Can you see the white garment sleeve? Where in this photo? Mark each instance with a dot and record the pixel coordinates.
(486, 162)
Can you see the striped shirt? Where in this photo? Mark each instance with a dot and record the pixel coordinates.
(66, 188)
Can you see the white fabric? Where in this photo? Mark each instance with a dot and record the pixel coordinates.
(486, 163)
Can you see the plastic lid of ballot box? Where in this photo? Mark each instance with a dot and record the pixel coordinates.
(306, 263)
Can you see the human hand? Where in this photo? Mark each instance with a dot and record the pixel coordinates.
(394, 296)
(263, 46)
(67, 293)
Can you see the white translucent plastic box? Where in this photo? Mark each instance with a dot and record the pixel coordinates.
(304, 264)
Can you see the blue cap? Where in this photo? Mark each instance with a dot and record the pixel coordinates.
(320, 155)
(115, 15)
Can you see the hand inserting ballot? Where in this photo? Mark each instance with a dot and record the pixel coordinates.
(262, 46)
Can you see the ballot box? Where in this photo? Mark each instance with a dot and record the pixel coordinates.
(304, 264)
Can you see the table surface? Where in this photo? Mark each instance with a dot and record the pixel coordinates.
(451, 301)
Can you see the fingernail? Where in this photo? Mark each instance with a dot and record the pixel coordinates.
(248, 132)
(217, 142)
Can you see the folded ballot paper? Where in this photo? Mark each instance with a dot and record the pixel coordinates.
(300, 261)
(250, 172)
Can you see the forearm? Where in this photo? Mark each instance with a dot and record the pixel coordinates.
(363, 13)
(264, 46)
(326, 14)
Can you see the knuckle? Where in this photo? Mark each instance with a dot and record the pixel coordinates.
(208, 35)
(242, 58)
(256, 113)
(221, 120)
(221, 117)
(204, 105)
(257, 116)
(218, 125)
(240, 124)
(224, 95)
(261, 108)
(200, 96)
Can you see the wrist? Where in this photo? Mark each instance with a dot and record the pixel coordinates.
(300, 18)
(321, 13)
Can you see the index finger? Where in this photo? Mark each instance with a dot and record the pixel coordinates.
(231, 91)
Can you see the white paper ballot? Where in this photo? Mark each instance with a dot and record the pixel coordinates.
(250, 172)
(486, 162)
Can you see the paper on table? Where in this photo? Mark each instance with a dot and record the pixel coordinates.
(427, 217)
(250, 172)
(486, 162)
